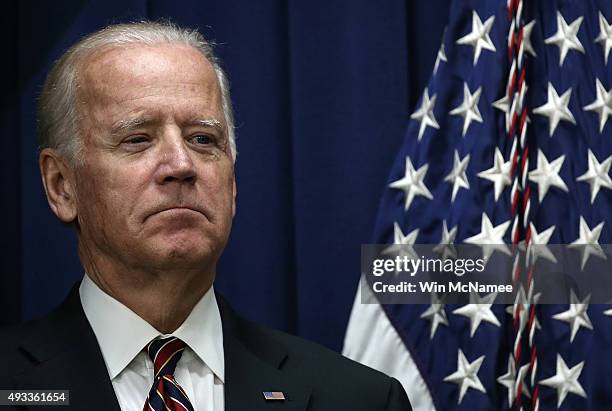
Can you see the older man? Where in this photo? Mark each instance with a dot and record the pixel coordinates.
(137, 153)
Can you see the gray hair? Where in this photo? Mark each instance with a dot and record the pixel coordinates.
(57, 111)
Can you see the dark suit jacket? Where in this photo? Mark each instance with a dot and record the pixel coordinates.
(61, 352)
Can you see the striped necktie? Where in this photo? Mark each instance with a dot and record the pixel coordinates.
(166, 394)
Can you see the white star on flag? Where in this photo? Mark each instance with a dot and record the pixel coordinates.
(566, 37)
(527, 46)
(588, 241)
(605, 36)
(436, 314)
(522, 306)
(503, 104)
(412, 183)
(402, 244)
(565, 381)
(490, 238)
(446, 245)
(441, 56)
(576, 315)
(556, 108)
(546, 174)
(602, 104)
(400, 239)
(537, 246)
(468, 109)
(597, 175)
(478, 310)
(499, 174)
(458, 177)
(511, 382)
(425, 114)
(466, 375)
(479, 36)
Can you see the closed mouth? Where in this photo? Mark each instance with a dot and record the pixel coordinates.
(180, 208)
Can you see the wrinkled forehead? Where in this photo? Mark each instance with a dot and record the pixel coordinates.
(123, 72)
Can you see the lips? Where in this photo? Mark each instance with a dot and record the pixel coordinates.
(171, 208)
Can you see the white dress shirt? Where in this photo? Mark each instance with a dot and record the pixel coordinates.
(122, 336)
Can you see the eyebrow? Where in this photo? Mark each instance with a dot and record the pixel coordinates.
(125, 125)
(130, 124)
(208, 122)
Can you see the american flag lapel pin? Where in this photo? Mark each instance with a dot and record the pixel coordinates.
(274, 395)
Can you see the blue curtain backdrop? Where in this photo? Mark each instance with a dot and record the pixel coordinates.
(322, 93)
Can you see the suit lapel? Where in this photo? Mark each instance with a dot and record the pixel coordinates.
(66, 356)
(252, 367)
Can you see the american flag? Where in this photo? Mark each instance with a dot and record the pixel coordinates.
(510, 142)
(274, 395)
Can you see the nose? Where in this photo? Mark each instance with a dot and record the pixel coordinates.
(176, 164)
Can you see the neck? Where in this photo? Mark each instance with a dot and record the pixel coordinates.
(163, 298)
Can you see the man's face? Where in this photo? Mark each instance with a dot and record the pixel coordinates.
(156, 188)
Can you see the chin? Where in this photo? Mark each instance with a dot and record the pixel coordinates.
(186, 252)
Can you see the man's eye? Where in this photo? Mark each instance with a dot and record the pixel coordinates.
(202, 139)
(137, 140)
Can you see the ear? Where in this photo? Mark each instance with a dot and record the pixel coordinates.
(58, 180)
(234, 198)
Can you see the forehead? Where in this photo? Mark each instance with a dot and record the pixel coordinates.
(127, 74)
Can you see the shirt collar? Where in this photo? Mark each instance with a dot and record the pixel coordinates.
(122, 334)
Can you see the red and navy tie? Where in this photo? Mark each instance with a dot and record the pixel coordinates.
(166, 394)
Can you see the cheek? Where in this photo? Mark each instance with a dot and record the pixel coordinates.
(107, 196)
(215, 192)
(95, 203)
(222, 183)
